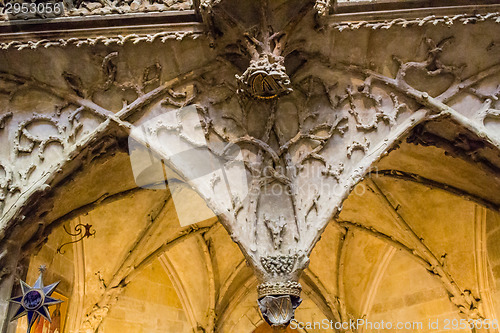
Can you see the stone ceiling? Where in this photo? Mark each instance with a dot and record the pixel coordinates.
(203, 277)
(415, 240)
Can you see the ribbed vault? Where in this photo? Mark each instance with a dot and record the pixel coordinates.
(397, 131)
(143, 270)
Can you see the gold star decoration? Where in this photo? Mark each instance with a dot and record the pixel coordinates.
(35, 300)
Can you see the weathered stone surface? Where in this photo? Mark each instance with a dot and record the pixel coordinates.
(314, 113)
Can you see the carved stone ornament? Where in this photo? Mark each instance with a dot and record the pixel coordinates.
(279, 288)
(278, 241)
(279, 310)
(303, 122)
(265, 78)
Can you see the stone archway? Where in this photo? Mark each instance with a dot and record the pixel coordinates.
(303, 116)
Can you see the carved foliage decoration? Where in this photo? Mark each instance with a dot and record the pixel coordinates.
(306, 136)
(56, 131)
(292, 161)
(338, 130)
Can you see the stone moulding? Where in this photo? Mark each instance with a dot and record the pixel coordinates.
(89, 23)
(116, 36)
(330, 143)
(281, 288)
(445, 16)
(106, 40)
(93, 30)
(119, 35)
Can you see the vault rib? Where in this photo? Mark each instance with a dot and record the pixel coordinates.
(320, 295)
(437, 105)
(392, 241)
(209, 263)
(76, 307)
(128, 110)
(376, 279)
(130, 268)
(99, 311)
(247, 287)
(180, 290)
(183, 235)
(114, 287)
(481, 264)
(127, 265)
(344, 241)
(414, 253)
(412, 177)
(227, 284)
(82, 210)
(462, 299)
(104, 127)
(312, 287)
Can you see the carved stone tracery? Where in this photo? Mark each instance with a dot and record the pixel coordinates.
(329, 144)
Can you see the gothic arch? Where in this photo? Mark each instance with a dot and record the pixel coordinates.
(316, 113)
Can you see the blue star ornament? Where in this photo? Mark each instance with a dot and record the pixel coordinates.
(34, 301)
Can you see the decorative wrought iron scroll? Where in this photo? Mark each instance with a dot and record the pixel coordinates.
(83, 230)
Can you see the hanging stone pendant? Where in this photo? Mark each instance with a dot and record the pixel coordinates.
(278, 311)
